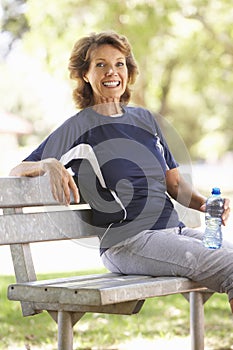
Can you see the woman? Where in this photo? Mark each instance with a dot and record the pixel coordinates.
(125, 170)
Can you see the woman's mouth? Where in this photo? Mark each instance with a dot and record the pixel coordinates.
(111, 83)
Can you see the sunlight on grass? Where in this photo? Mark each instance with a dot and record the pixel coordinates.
(161, 322)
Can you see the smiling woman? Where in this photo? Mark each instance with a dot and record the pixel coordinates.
(126, 173)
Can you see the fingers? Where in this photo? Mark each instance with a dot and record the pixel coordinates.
(61, 182)
(203, 208)
(57, 192)
(65, 194)
(226, 211)
(74, 189)
(66, 187)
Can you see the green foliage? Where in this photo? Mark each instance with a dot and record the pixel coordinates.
(13, 22)
(184, 50)
(165, 317)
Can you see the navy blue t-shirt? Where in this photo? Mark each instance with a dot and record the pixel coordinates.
(120, 163)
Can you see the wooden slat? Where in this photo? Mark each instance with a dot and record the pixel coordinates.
(37, 227)
(81, 279)
(24, 270)
(108, 291)
(126, 308)
(24, 191)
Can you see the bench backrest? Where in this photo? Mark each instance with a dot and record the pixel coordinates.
(30, 214)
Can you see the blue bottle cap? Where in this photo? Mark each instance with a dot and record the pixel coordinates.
(216, 190)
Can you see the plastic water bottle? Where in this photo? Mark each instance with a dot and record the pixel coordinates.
(213, 219)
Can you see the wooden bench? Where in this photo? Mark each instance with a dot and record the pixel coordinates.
(30, 214)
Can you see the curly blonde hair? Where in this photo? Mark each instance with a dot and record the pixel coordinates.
(80, 61)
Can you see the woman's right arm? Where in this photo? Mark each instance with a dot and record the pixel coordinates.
(61, 181)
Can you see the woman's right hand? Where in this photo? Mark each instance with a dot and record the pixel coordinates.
(61, 181)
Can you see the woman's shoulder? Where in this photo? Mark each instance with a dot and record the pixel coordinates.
(141, 112)
(80, 120)
(136, 109)
(142, 115)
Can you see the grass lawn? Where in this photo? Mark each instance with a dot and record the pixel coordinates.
(165, 317)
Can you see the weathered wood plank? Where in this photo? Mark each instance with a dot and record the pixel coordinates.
(115, 290)
(45, 226)
(24, 271)
(85, 279)
(126, 308)
(24, 191)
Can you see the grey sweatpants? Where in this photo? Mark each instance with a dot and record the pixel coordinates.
(171, 253)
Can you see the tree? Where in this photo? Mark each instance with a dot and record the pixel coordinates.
(13, 24)
(184, 51)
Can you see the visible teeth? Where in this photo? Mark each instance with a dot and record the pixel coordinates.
(111, 83)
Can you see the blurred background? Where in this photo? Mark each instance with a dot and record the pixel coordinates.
(184, 49)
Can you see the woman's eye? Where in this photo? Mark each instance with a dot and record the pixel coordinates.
(102, 64)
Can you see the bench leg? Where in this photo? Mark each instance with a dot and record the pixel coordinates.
(197, 320)
(65, 330)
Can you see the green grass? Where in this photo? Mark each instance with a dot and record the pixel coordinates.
(165, 317)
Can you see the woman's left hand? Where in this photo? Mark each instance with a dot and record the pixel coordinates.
(226, 210)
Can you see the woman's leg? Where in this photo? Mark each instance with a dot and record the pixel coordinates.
(168, 253)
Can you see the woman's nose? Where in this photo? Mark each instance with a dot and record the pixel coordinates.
(110, 71)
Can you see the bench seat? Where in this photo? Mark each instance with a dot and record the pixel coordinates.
(100, 289)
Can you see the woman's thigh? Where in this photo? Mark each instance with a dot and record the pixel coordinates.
(168, 253)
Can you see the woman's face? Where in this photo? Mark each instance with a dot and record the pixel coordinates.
(107, 74)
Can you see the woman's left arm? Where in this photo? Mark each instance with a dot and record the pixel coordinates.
(182, 192)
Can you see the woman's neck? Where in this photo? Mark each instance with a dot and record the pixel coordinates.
(109, 108)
